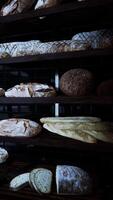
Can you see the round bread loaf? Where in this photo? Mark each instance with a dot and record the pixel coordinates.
(3, 155)
(72, 180)
(19, 128)
(77, 82)
(105, 88)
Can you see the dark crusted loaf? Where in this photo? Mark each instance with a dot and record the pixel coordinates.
(77, 82)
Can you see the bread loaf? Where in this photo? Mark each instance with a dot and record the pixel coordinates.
(3, 155)
(74, 134)
(19, 128)
(16, 6)
(77, 82)
(19, 182)
(69, 119)
(72, 180)
(41, 180)
(31, 90)
(46, 3)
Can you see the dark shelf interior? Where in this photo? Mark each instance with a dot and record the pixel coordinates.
(101, 53)
(58, 21)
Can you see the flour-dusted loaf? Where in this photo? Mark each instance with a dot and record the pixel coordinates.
(41, 180)
(16, 6)
(46, 3)
(3, 155)
(74, 134)
(15, 127)
(31, 90)
(77, 82)
(69, 119)
(16, 49)
(19, 182)
(72, 180)
(96, 39)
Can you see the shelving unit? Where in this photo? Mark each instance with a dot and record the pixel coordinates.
(47, 149)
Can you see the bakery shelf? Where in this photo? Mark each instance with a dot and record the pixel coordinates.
(59, 99)
(58, 56)
(46, 140)
(70, 17)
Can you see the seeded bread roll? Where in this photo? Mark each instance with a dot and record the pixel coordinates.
(3, 155)
(19, 128)
(77, 82)
(72, 180)
(41, 180)
(19, 182)
(105, 88)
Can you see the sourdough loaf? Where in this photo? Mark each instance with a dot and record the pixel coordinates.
(19, 128)
(31, 90)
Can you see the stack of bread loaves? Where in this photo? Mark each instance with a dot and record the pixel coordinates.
(85, 129)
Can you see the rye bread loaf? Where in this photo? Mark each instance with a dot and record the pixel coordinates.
(31, 90)
(82, 119)
(105, 88)
(15, 127)
(41, 180)
(3, 155)
(72, 180)
(19, 182)
(77, 82)
(16, 6)
(73, 134)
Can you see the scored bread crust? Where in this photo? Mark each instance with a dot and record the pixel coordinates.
(69, 119)
(16, 127)
(31, 90)
(74, 134)
(41, 180)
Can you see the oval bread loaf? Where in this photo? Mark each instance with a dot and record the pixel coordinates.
(31, 90)
(15, 127)
(19, 182)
